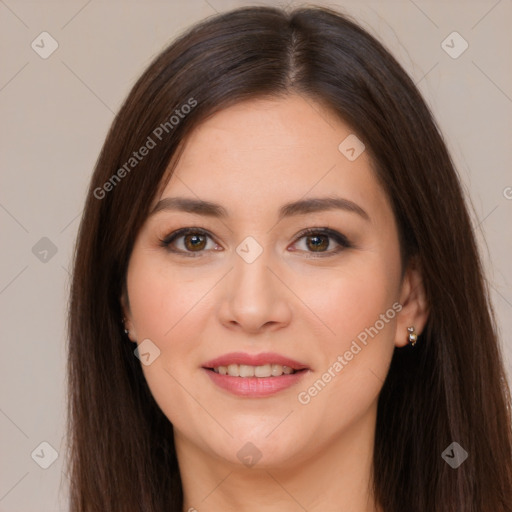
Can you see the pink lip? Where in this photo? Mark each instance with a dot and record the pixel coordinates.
(254, 387)
(254, 360)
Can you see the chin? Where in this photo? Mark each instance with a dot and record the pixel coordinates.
(259, 449)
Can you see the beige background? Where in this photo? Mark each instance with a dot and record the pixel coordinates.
(55, 113)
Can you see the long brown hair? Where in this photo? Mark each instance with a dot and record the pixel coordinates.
(451, 387)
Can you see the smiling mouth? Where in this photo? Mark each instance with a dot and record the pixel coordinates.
(263, 371)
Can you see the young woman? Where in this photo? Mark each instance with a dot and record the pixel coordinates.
(277, 299)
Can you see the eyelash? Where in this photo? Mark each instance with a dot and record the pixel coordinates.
(339, 238)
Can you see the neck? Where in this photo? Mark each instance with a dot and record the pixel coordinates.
(336, 477)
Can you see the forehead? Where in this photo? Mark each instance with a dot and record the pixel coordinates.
(277, 129)
(280, 149)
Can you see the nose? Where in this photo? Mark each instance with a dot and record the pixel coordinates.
(254, 297)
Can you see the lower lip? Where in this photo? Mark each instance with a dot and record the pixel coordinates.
(255, 387)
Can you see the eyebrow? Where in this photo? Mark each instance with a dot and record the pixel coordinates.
(300, 207)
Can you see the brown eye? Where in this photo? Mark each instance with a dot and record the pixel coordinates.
(186, 241)
(193, 242)
(319, 240)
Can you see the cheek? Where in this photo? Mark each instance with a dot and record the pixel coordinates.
(161, 299)
(356, 304)
(351, 299)
(164, 304)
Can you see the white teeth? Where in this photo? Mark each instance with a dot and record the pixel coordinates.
(245, 370)
(263, 371)
(234, 370)
(277, 370)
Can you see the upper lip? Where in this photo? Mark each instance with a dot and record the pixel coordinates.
(254, 360)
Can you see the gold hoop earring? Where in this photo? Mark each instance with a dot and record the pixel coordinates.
(413, 337)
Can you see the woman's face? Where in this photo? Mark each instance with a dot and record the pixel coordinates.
(247, 291)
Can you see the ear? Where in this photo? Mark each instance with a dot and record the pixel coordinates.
(415, 308)
(127, 316)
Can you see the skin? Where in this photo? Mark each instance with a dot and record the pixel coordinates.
(252, 158)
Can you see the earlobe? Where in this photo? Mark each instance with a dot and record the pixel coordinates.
(415, 308)
(127, 324)
(128, 330)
